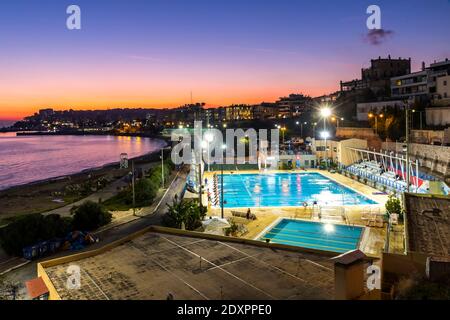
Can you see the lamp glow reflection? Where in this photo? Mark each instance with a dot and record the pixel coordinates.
(329, 228)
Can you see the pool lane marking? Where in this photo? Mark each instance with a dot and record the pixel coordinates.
(227, 272)
(263, 262)
(248, 191)
(312, 233)
(170, 272)
(305, 245)
(280, 235)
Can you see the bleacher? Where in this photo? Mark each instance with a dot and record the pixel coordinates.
(373, 170)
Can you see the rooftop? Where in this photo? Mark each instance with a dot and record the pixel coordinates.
(154, 265)
(428, 224)
(36, 288)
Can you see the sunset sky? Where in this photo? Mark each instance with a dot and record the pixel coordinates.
(153, 53)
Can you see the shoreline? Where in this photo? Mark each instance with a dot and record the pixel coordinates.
(106, 166)
(40, 196)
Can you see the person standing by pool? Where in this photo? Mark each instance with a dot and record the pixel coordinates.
(248, 213)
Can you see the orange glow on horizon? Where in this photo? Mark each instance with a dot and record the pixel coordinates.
(14, 109)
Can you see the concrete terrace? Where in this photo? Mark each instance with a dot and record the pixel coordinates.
(155, 264)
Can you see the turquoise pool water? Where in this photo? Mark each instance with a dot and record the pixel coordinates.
(315, 235)
(286, 190)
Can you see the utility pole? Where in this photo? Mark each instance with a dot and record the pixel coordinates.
(326, 150)
(407, 147)
(221, 181)
(132, 186)
(162, 167)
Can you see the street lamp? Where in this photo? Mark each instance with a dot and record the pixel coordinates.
(325, 135)
(314, 129)
(132, 187)
(283, 129)
(371, 115)
(224, 147)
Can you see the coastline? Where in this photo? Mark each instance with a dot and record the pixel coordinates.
(87, 170)
(41, 195)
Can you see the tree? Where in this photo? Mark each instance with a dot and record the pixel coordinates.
(145, 192)
(90, 216)
(187, 212)
(31, 229)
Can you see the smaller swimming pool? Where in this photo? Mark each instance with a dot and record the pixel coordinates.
(315, 235)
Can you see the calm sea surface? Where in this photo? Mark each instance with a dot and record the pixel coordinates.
(31, 158)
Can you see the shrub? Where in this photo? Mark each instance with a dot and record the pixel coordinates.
(145, 192)
(393, 205)
(90, 216)
(232, 230)
(188, 212)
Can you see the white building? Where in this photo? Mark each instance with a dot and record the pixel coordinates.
(337, 150)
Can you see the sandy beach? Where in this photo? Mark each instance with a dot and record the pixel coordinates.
(49, 194)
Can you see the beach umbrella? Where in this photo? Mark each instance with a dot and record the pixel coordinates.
(215, 224)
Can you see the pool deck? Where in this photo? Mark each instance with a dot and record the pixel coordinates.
(374, 238)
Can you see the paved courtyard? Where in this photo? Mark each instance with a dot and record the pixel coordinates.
(155, 265)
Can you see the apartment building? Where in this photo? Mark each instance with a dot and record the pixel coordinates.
(422, 85)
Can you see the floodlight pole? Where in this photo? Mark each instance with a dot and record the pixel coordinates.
(326, 150)
(221, 192)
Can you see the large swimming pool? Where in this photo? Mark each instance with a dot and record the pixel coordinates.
(315, 235)
(286, 190)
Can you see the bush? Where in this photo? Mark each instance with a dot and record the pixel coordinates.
(90, 216)
(145, 192)
(393, 205)
(31, 229)
(188, 212)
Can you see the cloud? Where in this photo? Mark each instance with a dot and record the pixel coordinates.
(378, 36)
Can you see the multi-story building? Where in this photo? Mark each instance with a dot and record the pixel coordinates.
(422, 85)
(293, 105)
(266, 110)
(413, 85)
(239, 112)
(377, 76)
(442, 95)
(328, 98)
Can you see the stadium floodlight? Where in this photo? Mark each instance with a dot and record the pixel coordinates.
(325, 134)
(325, 112)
